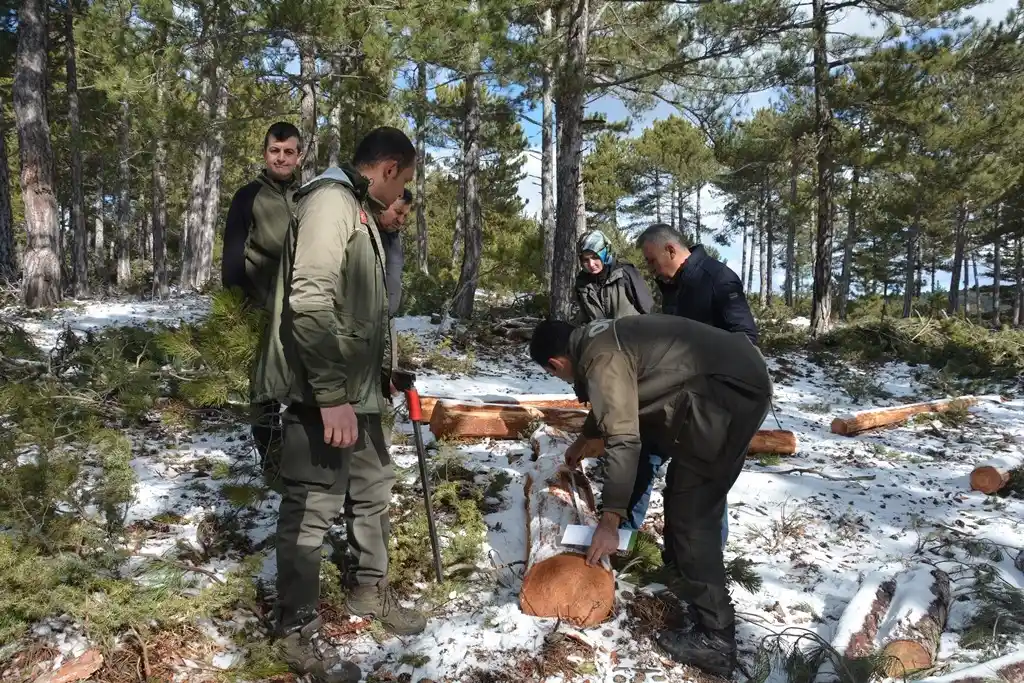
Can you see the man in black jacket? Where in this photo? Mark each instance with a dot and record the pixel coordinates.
(693, 284)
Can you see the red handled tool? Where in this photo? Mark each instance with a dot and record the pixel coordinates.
(404, 382)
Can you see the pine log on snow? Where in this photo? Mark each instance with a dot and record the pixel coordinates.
(993, 475)
(495, 420)
(1006, 669)
(909, 635)
(854, 636)
(558, 583)
(848, 425)
(427, 403)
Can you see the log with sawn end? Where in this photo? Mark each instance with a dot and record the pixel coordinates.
(466, 420)
(909, 636)
(558, 582)
(990, 477)
(855, 423)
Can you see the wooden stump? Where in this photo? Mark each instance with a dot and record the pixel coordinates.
(855, 423)
(993, 475)
(773, 442)
(910, 634)
(558, 583)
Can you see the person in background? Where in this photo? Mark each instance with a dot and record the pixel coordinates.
(698, 394)
(607, 288)
(335, 362)
(257, 220)
(693, 284)
(391, 221)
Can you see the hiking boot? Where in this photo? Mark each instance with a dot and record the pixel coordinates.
(707, 651)
(304, 650)
(381, 603)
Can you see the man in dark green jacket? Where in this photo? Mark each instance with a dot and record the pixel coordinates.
(257, 220)
(333, 364)
(699, 394)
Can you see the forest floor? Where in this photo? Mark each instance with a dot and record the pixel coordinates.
(813, 525)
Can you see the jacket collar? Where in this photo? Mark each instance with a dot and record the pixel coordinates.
(691, 266)
(279, 186)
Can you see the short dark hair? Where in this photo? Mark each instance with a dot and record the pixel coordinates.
(384, 144)
(550, 340)
(407, 196)
(282, 130)
(660, 233)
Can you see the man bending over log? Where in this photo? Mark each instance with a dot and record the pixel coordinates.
(699, 394)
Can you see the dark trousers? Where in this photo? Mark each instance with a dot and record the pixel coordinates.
(318, 481)
(265, 420)
(721, 423)
(647, 470)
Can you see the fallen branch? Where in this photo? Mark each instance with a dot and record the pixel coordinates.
(145, 654)
(830, 477)
(184, 566)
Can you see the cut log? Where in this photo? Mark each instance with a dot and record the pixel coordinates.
(558, 583)
(1006, 669)
(508, 418)
(909, 636)
(855, 423)
(77, 669)
(993, 475)
(452, 419)
(537, 401)
(855, 633)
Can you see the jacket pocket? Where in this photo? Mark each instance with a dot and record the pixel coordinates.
(699, 424)
(356, 339)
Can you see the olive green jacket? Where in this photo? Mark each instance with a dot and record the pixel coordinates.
(328, 341)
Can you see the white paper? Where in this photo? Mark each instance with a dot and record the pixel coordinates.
(581, 535)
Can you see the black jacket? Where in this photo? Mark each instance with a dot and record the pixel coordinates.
(394, 261)
(708, 291)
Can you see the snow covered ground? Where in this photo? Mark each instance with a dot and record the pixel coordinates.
(815, 524)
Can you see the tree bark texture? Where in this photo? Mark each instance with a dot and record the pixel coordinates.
(791, 224)
(821, 305)
(158, 205)
(422, 252)
(913, 235)
(124, 206)
(953, 303)
(8, 257)
(547, 158)
(472, 227)
(307, 106)
(80, 272)
(193, 218)
(851, 240)
(41, 283)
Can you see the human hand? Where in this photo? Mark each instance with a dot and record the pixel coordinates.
(340, 426)
(392, 389)
(581, 449)
(605, 540)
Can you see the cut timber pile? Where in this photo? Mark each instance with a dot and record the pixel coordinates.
(453, 419)
(519, 329)
(855, 423)
(993, 475)
(909, 636)
(1006, 669)
(558, 582)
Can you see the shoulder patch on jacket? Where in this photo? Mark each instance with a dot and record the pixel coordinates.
(363, 218)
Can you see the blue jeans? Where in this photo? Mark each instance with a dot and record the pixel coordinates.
(647, 469)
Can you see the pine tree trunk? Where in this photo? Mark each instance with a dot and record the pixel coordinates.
(98, 246)
(997, 276)
(762, 212)
(967, 282)
(743, 250)
(791, 226)
(848, 243)
(919, 271)
(124, 264)
(460, 209)
(696, 201)
(977, 288)
(334, 150)
(193, 218)
(754, 227)
(821, 306)
(547, 158)
(908, 280)
(953, 304)
(472, 233)
(81, 236)
(1018, 300)
(657, 197)
(581, 202)
(674, 197)
(571, 87)
(933, 269)
(307, 106)
(681, 225)
(158, 202)
(41, 285)
(211, 202)
(769, 246)
(422, 252)
(8, 257)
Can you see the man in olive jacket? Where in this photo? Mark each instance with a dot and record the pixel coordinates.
(333, 366)
(257, 220)
(699, 394)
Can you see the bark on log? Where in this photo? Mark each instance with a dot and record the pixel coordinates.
(855, 633)
(909, 636)
(1007, 669)
(855, 423)
(77, 669)
(993, 475)
(558, 583)
(536, 400)
(502, 418)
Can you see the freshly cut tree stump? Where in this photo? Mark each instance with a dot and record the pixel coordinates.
(993, 475)
(496, 420)
(909, 636)
(1006, 669)
(855, 423)
(454, 419)
(558, 583)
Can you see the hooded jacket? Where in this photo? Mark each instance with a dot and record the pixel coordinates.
(617, 291)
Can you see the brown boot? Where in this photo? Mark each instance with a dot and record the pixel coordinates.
(305, 652)
(381, 603)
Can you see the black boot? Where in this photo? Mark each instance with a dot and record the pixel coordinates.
(305, 652)
(711, 651)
